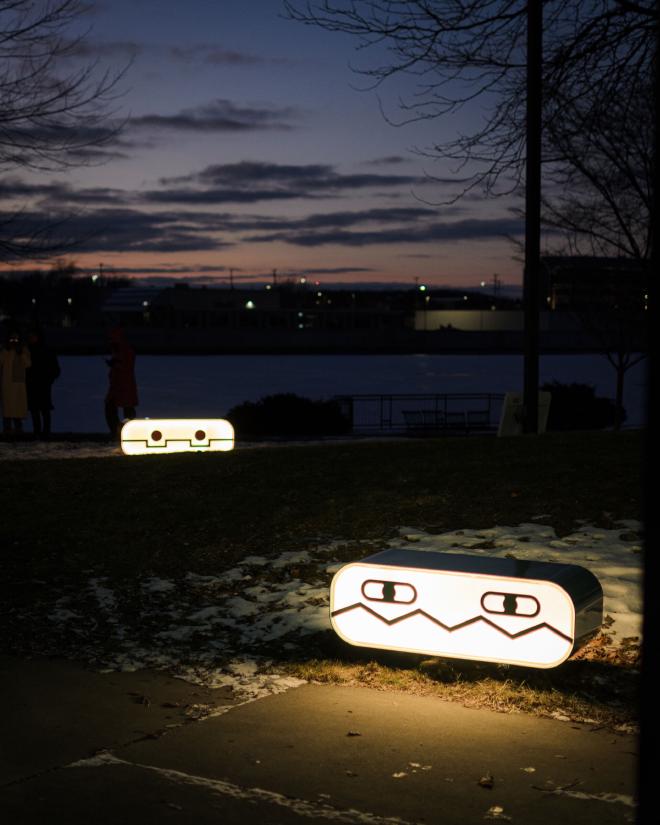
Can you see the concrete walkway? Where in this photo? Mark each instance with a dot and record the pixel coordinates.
(82, 747)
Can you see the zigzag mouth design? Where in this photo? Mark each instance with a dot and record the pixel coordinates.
(167, 442)
(448, 628)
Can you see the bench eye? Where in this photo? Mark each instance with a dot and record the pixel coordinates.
(200, 435)
(389, 592)
(156, 435)
(510, 604)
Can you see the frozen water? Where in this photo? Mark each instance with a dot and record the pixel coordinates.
(179, 386)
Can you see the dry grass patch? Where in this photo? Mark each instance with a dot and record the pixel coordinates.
(579, 691)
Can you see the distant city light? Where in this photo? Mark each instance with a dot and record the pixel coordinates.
(145, 303)
(303, 280)
(493, 306)
(95, 278)
(465, 297)
(483, 283)
(268, 286)
(422, 287)
(249, 305)
(69, 301)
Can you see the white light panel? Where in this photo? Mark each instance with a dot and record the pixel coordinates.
(156, 436)
(454, 614)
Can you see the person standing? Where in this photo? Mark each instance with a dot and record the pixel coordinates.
(122, 388)
(39, 381)
(14, 361)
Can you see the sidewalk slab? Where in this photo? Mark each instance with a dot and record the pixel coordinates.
(303, 744)
(55, 711)
(318, 752)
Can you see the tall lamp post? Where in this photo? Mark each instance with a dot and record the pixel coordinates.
(531, 275)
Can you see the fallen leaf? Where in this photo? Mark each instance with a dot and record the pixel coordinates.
(496, 812)
(529, 770)
(354, 733)
(486, 781)
(399, 774)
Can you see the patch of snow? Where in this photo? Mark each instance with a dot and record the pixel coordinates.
(308, 809)
(201, 629)
(156, 585)
(601, 551)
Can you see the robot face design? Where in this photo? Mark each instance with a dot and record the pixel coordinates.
(155, 436)
(453, 614)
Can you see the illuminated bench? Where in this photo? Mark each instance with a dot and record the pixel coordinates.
(467, 607)
(155, 436)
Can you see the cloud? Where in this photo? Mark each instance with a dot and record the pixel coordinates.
(87, 49)
(221, 115)
(390, 160)
(130, 50)
(216, 55)
(472, 229)
(254, 181)
(76, 143)
(117, 230)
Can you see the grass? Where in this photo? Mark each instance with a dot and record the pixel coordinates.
(65, 520)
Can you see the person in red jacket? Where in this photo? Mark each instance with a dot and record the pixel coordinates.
(122, 388)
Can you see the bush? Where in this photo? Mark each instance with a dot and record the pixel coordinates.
(576, 407)
(288, 414)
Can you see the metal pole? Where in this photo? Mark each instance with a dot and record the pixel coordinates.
(532, 215)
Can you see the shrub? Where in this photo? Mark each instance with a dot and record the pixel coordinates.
(288, 414)
(576, 407)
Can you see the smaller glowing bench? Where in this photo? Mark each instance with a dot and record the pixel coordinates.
(467, 607)
(155, 436)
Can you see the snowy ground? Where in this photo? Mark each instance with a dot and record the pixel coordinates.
(33, 450)
(225, 629)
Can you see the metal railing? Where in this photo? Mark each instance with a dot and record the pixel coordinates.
(423, 413)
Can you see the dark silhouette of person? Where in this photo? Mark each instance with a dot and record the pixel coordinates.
(39, 378)
(14, 361)
(122, 388)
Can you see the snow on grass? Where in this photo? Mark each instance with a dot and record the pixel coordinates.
(40, 450)
(614, 556)
(226, 629)
(34, 450)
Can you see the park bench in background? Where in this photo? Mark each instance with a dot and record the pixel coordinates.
(425, 421)
(428, 414)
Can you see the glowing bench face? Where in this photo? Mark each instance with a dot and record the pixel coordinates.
(453, 614)
(155, 436)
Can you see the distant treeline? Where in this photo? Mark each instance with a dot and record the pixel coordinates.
(60, 296)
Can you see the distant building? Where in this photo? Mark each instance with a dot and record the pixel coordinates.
(581, 282)
(283, 307)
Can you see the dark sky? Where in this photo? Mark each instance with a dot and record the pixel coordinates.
(250, 145)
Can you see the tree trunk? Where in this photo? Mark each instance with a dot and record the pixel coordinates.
(618, 412)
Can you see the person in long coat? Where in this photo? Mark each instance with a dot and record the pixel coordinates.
(40, 376)
(122, 387)
(14, 361)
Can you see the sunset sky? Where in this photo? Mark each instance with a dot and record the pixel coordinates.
(250, 146)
